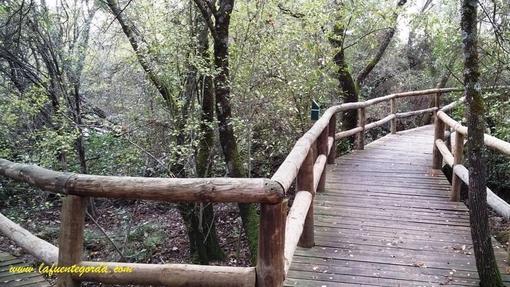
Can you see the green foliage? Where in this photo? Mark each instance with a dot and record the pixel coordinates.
(498, 119)
(143, 241)
(18, 113)
(110, 154)
(49, 143)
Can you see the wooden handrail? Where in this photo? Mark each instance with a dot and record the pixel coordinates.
(454, 159)
(495, 202)
(295, 223)
(39, 248)
(348, 133)
(142, 274)
(288, 170)
(415, 113)
(445, 152)
(379, 122)
(490, 141)
(246, 190)
(171, 274)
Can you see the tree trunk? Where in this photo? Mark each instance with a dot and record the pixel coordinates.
(350, 88)
(202, 227)
(478, 213)
(346, 84)
(224, 114)
(427, 117)
(79, 143)
(199, 220)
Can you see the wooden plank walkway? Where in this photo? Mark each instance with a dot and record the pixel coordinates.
(7, 279)
(383, 221)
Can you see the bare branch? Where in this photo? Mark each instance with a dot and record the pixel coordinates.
(289, 12)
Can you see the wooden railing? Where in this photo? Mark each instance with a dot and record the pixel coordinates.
(77, 188)
(306, 164)
(280, 231)
(457, 134)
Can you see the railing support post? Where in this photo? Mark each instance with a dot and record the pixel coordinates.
(393, 111)
(322, 145)
(70, 242)
(437, 157)
(305, 182)
(458, 150)
(270, 260)
(331, 133)
(360, 137)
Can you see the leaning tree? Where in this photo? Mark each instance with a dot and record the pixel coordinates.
(478, 213)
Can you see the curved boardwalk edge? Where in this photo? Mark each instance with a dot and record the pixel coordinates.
(384, 221)
(7, 279)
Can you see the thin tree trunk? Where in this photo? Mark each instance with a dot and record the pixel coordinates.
(199, 220)
(140, 46)
(346, 84)
(203, 237)
(80, 145)
(427, 117)
(224, 114)
(478, 213)
(350, 88)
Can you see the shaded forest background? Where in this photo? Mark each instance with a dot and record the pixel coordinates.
(144, 88)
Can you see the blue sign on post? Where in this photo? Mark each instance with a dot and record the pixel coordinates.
(316, 111)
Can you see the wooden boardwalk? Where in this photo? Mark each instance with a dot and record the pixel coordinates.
(8, 279)
(384, 221)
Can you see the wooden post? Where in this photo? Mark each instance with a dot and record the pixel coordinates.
(458, 152)
(322, 143)
(393, 110)
(437, 157)
(331, 133)
(360, 137)
(305, 182)
(70, 240)
(270, 260)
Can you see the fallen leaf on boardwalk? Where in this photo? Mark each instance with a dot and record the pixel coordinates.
(507, 271)
(420, 264)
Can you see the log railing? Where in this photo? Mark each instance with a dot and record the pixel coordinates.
(305, 164)
(76, 188)
(280, 231)
(454, 158)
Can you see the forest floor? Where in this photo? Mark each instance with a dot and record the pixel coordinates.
(144, 231)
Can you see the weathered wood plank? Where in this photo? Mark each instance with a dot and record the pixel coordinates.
(7, 278)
